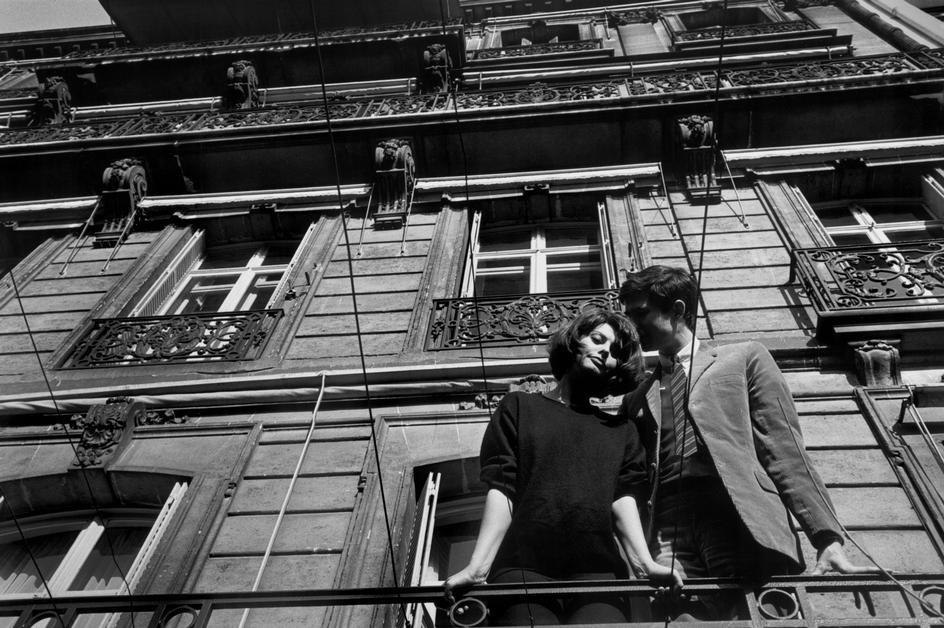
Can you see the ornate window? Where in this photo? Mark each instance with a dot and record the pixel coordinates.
(529, 255)
(224, 277)
(215, 291)
(561, 245)
(82, 553)
(879, 221)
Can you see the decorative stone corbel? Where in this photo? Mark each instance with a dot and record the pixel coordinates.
(105, 429)
(124, 184)
(877, 362)
(437, 66)
(696, 139)
(393, 183)
(242, 86)
(532, 384)
(53, 103)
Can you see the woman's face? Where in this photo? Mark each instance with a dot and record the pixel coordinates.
(594, 353)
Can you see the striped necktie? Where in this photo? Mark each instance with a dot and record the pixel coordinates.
(685, 442)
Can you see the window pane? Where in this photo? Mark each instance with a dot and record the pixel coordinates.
(18, 572)
(588, 235)
(260, 291)
(280, 253)
(504, 240)
(927, 233)
(566, 281)
(846, 239)
(897, 212)
(228, 256)
(109, 559)
(573, 259)
(508, 263)
(510, 283)
(835, 216)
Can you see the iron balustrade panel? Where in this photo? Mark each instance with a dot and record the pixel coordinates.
(744, 30)
(511, 320)
(874, 276)
(535, 49)
(837, 74)
(794, 602)
(210, 336)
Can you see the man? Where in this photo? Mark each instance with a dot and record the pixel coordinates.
(726, 460)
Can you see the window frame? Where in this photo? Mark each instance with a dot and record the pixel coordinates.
(539, 255)
(91, 528)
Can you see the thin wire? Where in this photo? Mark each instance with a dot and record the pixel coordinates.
(688, 422)
(32, 557)
(82, 470)
(357, 325)
(453, 91)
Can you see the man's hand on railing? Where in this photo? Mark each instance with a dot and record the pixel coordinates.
(833, 558)
(667, 581)
(461, 581)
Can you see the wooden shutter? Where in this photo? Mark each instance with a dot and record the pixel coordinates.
(606, 248)
(171, 276)
(468, 278)
(421, 540)
(288, 277)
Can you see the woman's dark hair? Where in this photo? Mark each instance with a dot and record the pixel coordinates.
(562, 347)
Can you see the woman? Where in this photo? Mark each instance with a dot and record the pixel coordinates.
(563, 477)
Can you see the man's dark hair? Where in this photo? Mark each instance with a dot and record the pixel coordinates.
(663, 286)
(562, 347)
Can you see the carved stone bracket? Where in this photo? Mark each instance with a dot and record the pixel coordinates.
(160, 417)
(393, 183)
(242, 86)
(437, 66)
(53, 103)
(104, 430)
(877, 362)
(124, 184)
(696, 139)
(532, 384)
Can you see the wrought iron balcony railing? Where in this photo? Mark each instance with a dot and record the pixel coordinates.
(535, 49)
(813, 76)
(789, 602)
(744, 30)
(255, 43)
(873, 277)
(213, 336)
(458, 323)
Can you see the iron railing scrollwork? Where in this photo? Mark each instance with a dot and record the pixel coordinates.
(873, 276)
(458, 323)
(743, 30)
(535, 49)
(211, 336)
(811, 76)
(917, 600)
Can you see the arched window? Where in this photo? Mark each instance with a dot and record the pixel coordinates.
(81, 551)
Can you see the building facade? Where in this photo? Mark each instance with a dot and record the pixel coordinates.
(266, 270)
